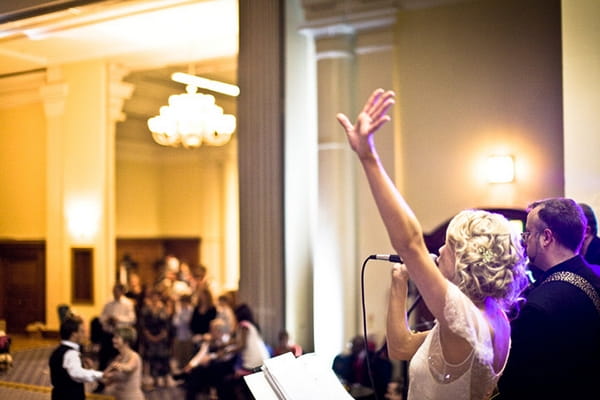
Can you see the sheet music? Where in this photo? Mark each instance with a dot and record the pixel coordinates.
(307, 377)
(260, 388)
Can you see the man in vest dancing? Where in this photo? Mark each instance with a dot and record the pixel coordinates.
(67, 372)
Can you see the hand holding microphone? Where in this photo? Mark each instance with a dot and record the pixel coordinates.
(399, 274)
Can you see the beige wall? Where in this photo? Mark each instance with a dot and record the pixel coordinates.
(181, 193)
(472, 80)
(22, 172)
(581, 76)
(137, 198)
(476, 79)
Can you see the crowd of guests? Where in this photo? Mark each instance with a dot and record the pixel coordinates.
(175, 332)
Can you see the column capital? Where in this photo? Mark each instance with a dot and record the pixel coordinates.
(118, 92)
(54, 96)
(21, 89)
(325, 18)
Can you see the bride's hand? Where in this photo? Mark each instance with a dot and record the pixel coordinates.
(371, 118)
(399, 276)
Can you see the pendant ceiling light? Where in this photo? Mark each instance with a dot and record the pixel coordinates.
(192, 119)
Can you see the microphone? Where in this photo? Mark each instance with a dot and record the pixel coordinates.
(386, 257)
(396, 258)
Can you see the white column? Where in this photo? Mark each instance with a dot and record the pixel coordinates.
(54, 95)
(118, 92)
(354, 55)
(374, 69)
(82, 103)
(335, 269)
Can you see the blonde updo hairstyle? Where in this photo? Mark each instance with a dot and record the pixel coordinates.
(490, 261)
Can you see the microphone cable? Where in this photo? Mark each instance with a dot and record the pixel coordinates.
(364, 318)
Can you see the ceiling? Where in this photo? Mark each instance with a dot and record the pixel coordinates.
(139, 35)
(149, 38)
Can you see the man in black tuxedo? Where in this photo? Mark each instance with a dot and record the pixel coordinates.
(556, 336)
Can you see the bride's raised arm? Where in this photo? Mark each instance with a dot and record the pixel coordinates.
(403, 228)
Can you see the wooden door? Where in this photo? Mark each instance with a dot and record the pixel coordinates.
(22, 284)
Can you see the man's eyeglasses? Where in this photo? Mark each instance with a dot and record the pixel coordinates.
(525, 235)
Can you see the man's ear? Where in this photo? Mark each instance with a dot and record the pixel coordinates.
(547, 236)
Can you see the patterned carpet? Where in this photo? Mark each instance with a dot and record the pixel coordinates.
(29, 379)
(29, 367)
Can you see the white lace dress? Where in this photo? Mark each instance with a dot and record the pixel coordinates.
(432, 378)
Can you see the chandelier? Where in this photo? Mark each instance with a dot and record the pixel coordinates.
(192, 119)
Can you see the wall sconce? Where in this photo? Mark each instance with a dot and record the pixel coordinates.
(500, 169)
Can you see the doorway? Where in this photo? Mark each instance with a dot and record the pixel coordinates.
(22, 284)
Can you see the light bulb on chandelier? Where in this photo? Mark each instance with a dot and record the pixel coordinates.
(190, 120)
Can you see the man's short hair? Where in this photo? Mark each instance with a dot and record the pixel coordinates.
(120, 287)
(565, 218)
(69, 326)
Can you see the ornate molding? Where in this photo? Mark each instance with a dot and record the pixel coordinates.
(118, 92)
(349, 22)
(21, 89)
(336, 17)
(323, 9)
(54, 95)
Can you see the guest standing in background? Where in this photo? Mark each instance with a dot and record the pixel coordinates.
(136, 292)
(156, 326)
(117, 313)
(183, 346)
(226, 313)
(590, 249)
(204, 312)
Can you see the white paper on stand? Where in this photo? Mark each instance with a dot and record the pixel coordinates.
(307, 377)
(259, 386)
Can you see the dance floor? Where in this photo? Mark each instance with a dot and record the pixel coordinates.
(29, 377)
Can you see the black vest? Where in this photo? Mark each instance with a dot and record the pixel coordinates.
(64, 388)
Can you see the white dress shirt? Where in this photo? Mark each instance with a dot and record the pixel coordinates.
(72, 363)
(121, 311)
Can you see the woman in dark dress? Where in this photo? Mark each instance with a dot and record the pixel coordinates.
(204, 312)
(156, 328)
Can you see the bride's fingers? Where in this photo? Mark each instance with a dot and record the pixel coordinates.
(344, 121)
(382, 105)
(371, 103)
(377, 124)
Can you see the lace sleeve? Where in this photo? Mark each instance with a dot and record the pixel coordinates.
(467, 321)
